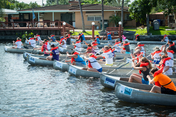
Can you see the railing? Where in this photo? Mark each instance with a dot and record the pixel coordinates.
(35, 25)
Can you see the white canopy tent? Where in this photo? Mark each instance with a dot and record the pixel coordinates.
(9, 11)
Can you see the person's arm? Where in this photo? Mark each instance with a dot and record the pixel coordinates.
(67, 60)
(70, 56)
(99, 56)
(150, 80)
(166, 68)
(85, 43)
(163, 48)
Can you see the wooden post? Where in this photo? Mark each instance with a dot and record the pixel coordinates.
(120, 28)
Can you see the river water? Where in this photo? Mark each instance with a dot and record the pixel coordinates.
(27, 90)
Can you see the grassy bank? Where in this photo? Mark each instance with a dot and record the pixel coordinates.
(162, 30)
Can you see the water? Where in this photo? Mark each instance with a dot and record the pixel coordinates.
(27, 90)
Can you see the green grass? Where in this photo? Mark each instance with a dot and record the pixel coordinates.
(162, 30)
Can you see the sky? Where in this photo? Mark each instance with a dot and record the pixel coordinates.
(39, 1)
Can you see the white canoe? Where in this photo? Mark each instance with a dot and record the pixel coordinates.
(21, 51)
(59, 65)
(134, 94)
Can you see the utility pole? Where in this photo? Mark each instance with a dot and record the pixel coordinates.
(122, 12)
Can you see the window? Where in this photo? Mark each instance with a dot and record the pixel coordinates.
(127, 17)
(93, 18)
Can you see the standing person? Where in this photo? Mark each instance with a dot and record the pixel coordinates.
(156, 55)
(170, 53)
(141, 48)
(144, 68)
(62, 42)
(18, 43)
(167, 85)
(54, 53)
(172, 45)
(165, 65)
(108, 55)
(76, 59)
(117, 46)
(68, 40)
(165, 38)
(44, 48)
(97, 39)
(32, 42)
(77, 45)
(109, 36)
(125, 48)
(93, 65)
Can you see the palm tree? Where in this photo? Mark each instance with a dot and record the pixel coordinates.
(83, 25)
(122, 12)
(115, 19)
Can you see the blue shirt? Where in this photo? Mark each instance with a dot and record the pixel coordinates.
(55, 54)
(109, 37)
(98, 41)
(83, 37)
(79, 59)
(53, 39)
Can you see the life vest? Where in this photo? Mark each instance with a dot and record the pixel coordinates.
(143, 65)
(116, 43)
(73, 59)
(68, 35)
(106, 51)
(89, 48)
(18, 40)
(89, 63)
(156, 52)
(52, 35)
(125, 44)
(162, 63)
(172, 44)
(141, 53)
(140, 45)
(53, 49)
(109, 33)
(94, 44)
(136, 36)
(171, 51)
(61, 40)
(165, 36)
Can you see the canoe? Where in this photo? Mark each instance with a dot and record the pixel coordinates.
(59, 65)
(21, 51)
(64, 50)
(85, 46)
(138, 95)
(25, 55)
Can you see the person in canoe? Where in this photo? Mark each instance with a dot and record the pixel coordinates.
(167, 85)
(156, 55)
(141, 48)
(62, 42)
(54, 53)
(125, 47)
(17, 43)
(44, 48)
(93, 65)
(166, 65)
(169, 52)
(144, 67)
(90, 49)
(80, 38)
(32, 42)
(52, 38)
(38, 39)
(137, 55)
(172, 45)
(76, 59)
(68, 40)
(117, 46)
(109, 36)
(165, 38)
(97, 39)
(137, 38)
(77, 45)
(96, 49)
(108, 55)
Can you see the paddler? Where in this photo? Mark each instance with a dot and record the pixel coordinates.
(76, 59)
(137, 55)
(52, 37)
(167, 85)
(108, 55)
(125, 47)
(172, 45)
(18, 43)
(109, 36)
(44, 48)
(165, 38)
(93, 65)
(141, 48)
(68, 40)
(62, 42)
(77, 45)
(144, 67)
(97, 39)
(54, 53)
(117, 46)
(96, 49)
(137, 38)
(156, 55)
(32, 42)
(38, 39)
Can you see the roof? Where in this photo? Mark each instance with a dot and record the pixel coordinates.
(69, 8)
(159, 13)
(9, 11)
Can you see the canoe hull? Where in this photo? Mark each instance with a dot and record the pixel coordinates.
(58, 65)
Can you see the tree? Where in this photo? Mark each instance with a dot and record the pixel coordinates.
(102, 10)
(54, 2)
(122, 12)
(168, 6)
(115, 19)
(117, 3)
(82, 17)
(140, 9)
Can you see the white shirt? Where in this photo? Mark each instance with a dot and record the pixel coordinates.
(39, 38)
(118, 49)
(109, 57)
(94, 63)
(64, 46)
(18, 44)
(156, 56)
(172, 58)
(48, 46)
(32, 42)
(78, 47)
(166, 39)
(143, 50)
(169, 71)
(97, 51)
